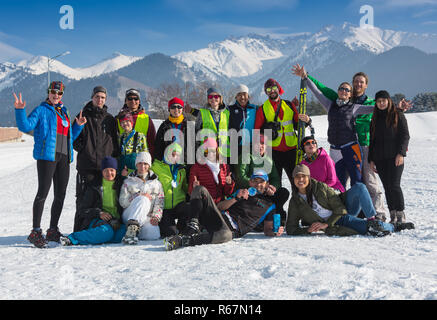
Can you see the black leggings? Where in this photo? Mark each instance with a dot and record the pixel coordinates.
(390, 176)
(59, 172)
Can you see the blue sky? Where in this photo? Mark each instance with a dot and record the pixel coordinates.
(170, 26)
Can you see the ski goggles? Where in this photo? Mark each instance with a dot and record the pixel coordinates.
(268, 90)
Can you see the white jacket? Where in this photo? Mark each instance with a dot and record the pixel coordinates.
(133, 186)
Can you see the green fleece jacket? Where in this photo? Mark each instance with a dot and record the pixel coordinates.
(173, 196)
(362, 121)
(299, 209)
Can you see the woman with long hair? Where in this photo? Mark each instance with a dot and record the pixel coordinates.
(315, 204)
(389, 137)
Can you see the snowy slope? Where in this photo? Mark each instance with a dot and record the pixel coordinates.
(400, 266)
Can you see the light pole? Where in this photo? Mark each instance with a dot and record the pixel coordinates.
(48, 64)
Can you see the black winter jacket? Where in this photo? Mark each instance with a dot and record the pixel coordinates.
(97, 140)
(91, 205)
(161, 144)
(386, 143)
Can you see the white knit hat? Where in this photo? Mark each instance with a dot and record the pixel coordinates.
(241, 88)
(144, 157)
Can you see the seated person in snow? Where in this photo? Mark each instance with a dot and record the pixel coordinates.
(259, 159)
(142, 198)
(231, 218)
(322, 209)
(98, 219)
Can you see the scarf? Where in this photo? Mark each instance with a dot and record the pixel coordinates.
(177, 120)
(215, 169)
(313, 157)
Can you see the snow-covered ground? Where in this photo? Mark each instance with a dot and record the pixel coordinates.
(400, 266)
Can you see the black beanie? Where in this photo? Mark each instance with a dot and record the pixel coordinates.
(109, 162)
(98, 89)
(382, 94)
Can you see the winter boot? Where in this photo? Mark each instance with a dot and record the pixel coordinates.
(374, 228)
(131, 236)
(403, 226)
(400, 217)
(393, 216)
(37, 239)
(177, 241)
(53, 234)
(192, 227)
(65, 241)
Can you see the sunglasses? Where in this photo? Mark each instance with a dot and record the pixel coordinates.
(176, 106)
(268, 90)
(133, 98)
(309, 142)
(216, 96)
(58, 92)
(344, 89)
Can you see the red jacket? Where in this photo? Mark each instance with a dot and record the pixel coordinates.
(205, 176)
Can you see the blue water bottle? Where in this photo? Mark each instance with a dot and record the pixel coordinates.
(276, 222)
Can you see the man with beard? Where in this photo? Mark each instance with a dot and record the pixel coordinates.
(97, 140)
(284, 112)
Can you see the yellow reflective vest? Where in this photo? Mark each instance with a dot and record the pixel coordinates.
(287, 127)
(222, 132)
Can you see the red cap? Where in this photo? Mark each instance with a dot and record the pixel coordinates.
(175, 100)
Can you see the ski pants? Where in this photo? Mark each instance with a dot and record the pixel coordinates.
(348, 162)
(285, 160)
(98, 232)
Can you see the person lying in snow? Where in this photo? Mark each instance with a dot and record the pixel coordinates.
(231, 218)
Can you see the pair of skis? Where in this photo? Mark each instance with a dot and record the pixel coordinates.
(301, 125)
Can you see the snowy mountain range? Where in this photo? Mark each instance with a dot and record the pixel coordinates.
(332, 55)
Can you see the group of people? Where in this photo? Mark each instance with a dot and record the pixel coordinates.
(134, 182)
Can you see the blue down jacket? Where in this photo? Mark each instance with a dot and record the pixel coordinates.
(44, 123)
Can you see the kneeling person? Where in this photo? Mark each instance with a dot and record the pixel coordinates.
(231, 218)
(142, 196)
(98, 219)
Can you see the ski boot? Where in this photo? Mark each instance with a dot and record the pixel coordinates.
(131, 236)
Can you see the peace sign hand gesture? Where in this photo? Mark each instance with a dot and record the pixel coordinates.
(81, 120)
(19, 103)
